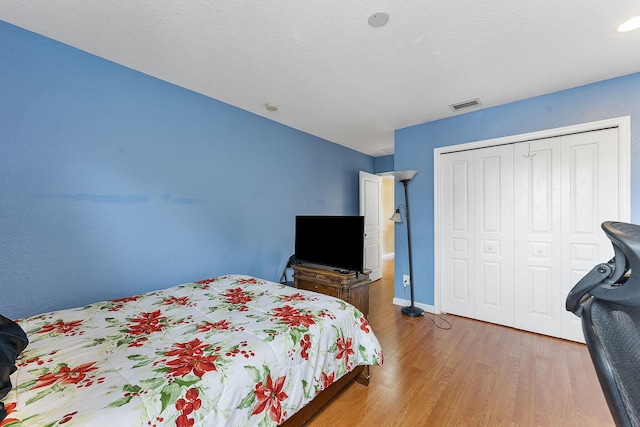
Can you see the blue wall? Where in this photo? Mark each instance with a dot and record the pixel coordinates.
(114, 183)
(383, 164)
(414, 150)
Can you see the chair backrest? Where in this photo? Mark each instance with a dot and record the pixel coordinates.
(12, 341)
(608, 301)
(612, 334)
(290, 263)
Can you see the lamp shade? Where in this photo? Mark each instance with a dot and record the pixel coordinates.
(396, 216)
(406, 175)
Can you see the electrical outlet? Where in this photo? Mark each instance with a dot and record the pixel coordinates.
(405, 280)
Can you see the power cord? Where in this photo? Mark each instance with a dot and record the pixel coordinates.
(433, 317)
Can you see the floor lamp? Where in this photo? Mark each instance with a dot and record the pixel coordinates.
(404, 177)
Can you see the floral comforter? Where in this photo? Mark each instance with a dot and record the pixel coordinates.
(231, 350)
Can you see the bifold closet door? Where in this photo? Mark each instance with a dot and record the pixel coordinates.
(477, 234)
(538, 236)
(590, 196)
(520, 225)
(565, 188)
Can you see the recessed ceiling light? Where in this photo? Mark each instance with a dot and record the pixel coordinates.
(271, 106)
(629, 25)
(378, 19)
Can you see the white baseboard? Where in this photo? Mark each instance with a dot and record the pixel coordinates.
(403, 303)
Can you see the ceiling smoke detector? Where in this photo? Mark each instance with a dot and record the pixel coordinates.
(470, 103)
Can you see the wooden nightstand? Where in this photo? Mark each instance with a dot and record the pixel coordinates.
(350, 287)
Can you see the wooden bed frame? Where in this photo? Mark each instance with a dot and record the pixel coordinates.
(360, 374)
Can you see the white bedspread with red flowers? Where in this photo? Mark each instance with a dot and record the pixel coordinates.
(231, 350)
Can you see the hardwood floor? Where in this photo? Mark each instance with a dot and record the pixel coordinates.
(475, 374)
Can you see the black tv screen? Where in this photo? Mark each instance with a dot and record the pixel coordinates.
(334, 241)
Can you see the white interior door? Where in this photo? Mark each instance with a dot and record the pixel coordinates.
(370, 196)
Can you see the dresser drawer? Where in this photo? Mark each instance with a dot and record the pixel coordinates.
(318, 287)
(349, 287)
(323, 277)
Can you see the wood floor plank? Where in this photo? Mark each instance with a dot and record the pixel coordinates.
(475, 374)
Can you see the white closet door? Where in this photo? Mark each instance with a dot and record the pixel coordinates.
(493, 235)
(590, 196)
(538, 235)
(457, 233)
(477, 234)
(521, 225)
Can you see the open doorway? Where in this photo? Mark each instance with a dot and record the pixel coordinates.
(377, 205)
(387, 229)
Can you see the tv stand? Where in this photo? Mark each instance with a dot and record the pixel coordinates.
(348, 286)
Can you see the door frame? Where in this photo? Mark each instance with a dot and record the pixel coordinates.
(624, 160)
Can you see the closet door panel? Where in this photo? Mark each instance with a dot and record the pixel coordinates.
(494, 234)
(457, 259)
(590, 194)
(537, 235)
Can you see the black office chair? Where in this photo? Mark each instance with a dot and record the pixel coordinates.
(608, 301)
(290, 263)
(12, 341)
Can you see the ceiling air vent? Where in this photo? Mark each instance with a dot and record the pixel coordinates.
(475, 102)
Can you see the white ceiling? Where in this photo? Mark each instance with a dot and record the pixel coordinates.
(332, 74)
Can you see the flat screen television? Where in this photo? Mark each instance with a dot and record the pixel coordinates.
(334, 241)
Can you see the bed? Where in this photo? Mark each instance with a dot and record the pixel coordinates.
(231, 350)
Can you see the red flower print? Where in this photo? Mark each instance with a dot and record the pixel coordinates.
(146, 323)
(237, 296)
(187, 405)
(138, 342)
(184, 421)
(294, 297)
(65, 375)
(293, 316)
(305, 343)
(206, 282)
(176, 301)
(344, 349)
(190, 358)
(61, 327)
(327, 380)
(126, 299)
(9, 408)
(269, 398)
(221, 325)
(364, 324)
(251, 281)
(66, 418)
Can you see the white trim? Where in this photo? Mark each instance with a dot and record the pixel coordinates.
(624, 133)
(403, 303)
(619, 122)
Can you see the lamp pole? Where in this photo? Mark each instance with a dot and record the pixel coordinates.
(412, 310)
